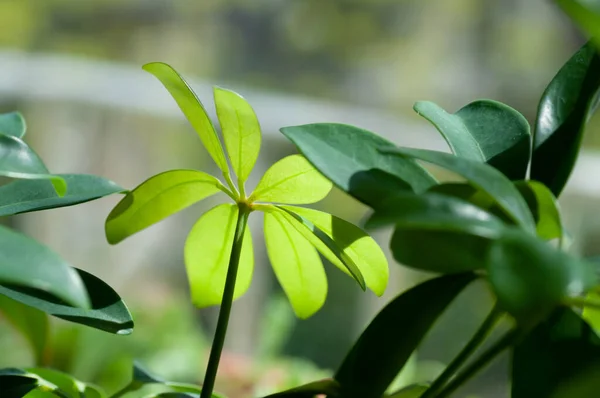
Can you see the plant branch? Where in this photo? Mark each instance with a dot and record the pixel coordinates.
(482, 361)
(226, 303)
(478, 338)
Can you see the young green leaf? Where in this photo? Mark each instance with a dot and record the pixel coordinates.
(531, 278)
(23, 196)
(241, 131)
(565, 107)
(296, 264)
(592, 314)
(550, 360)
(28, 264)
(108, 312)
(156, 199)
(481, 176)
(291, 180)
(13, 124)
(354, 243)
(544, 207)
(30, 322)
(192, 108)
(68, 385)
(207, 251)
(484, 130)
(390, 339)
(327, 387)
(586, 14)
(17, 160)
(349, 157)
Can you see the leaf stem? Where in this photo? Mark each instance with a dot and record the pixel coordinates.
(230, 184)
(482, 361)
(226, 303)
(478, 338)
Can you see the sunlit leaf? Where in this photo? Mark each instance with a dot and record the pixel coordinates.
(157, 198)
(349, 157)
(296, 264)
(530, 278)
(241, 131)
(13, 124)
(484, 130)
(565, 107)
(30, 322)
(192, 108)
(544, 208)
(592, 314)
(291, 180)
(481, 176)
(355, 243)
(390, 339)
(327, 387)
(17, 160)
(413, 391)
(108, 312)
(586, 14)
(66, 383)
(32, 195)
(31, 265)
(207, 251)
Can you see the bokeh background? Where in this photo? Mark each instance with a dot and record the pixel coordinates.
(73, 68)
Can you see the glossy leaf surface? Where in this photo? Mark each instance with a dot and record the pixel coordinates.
(327, 387)
(240, 129)
(17, 160)
(481, 176)
(530, 278)
(565, 107)
(13, 124)
(355, 243)
(207, 252)
(26, 263)
(192, 108)
(156, 199)
(349, 157)
(291, 180)
(23, 196)
(296, 263)
(553, 356)
(390, 339)
(544, 207)
(30, 322)
(15, 383)
(108, 312)
(484, 130)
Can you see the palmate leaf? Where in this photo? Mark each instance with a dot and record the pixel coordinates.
(240, 129)
(484, 130)
(192, 108)
(291, 180)
(296, 264)
(157, 198)
(207, 251)
(354, 243)
(13, 124)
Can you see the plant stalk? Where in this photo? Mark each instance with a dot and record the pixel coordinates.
(226, 303)
(481, 362)
(478, 338)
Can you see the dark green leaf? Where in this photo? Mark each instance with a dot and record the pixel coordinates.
(553, 356)
(23, 196)
(12, 124)
(66, 383)
(31, 323)
(530, 277)
(484, 130)
(142, 377)
(17, 160)
(328, 387)
(349, 157)
(390, 339)
(482, 176)
(564, 109)
(14, 383)
(107, 311)
(28, 264)
(544, 207)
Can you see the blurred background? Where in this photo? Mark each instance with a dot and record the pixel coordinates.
(73, 68)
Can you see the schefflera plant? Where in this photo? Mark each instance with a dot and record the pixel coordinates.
(218, 250)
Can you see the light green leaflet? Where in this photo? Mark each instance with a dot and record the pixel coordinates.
(207, 251)
(296, 264)
(241, 131)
